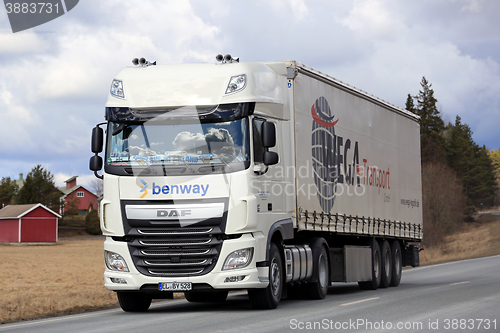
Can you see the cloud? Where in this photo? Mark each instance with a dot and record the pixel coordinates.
(188, 140)
(21, 44)
(294, 8)
(55, 85)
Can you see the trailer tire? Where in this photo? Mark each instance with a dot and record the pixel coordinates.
(385, 264)
(319, 289)
(397, 263)
(376, 268)
(133, 301)
(211, 297)
(269, 297)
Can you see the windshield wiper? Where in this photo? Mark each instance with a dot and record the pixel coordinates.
(225, 163)
(119, 129)
(179, 159)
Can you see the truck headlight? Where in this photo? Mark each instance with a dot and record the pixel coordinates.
(115, 262)
(236, 83)
(238, 259)
(117, 89)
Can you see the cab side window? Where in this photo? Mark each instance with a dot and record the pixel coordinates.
(258, 148)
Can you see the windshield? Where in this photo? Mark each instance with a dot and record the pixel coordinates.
(182, 142)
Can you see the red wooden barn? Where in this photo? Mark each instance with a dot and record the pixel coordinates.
(33, 223)
(78, 195)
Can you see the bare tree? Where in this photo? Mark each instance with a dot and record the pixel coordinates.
(97, 187)
(443, 202)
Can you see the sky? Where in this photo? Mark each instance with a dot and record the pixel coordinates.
(55, 78)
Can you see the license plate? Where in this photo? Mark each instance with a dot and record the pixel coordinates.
(175, 286)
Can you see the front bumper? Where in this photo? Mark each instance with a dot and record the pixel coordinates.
(247, 278)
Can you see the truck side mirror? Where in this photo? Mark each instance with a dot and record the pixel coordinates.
(270, 158)
(95, 163)
(97, 140)
(268, 134)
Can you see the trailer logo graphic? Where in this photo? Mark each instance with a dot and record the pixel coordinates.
(144, 189)
(323, 153)
(323, 118)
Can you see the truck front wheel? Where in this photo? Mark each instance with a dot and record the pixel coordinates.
(269, 297)
(133, 302)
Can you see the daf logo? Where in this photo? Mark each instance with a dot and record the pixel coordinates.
(173, 212)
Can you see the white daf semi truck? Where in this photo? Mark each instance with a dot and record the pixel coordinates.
(270, 177)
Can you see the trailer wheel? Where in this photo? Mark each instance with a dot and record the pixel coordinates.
(133, 301)
(376, 268)
(269, 297)
(386, 264)
(319, 289)
(397, 263)
(198, 296)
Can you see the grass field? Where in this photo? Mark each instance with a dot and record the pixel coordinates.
(476, 239)
(48, 280)
(39, 281)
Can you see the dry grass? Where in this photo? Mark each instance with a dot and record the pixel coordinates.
(40, 281)
(477, 239)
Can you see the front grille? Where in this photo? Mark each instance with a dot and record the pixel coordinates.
(174, 248)
(187, 252)
(182, 231)
(185, 262)
(180, 272)
(176, 251)
(175, 242)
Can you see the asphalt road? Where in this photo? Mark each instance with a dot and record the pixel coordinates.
(462, 296)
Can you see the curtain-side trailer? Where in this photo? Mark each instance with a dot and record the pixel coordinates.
(270, 177)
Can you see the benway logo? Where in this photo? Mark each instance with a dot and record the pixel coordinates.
(201, 189)
(144, 189)
(28, 14)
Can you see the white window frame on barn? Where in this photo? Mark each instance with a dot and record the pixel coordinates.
(80, 194)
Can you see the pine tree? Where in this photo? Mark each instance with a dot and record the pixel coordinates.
(473, 165)
(8, 190)
(410, 105)
(495, 157)
(431, 124)
(39, 187)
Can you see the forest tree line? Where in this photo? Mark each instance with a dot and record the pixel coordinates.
(459, 177)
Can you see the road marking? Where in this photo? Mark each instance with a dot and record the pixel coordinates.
(463, 282)
(361, 301)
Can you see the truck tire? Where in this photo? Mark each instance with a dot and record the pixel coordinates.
(269, 297)
(376, 268)
(319, 289)
(198, 296)
(133, 301)
(385, 264)
(397, 263)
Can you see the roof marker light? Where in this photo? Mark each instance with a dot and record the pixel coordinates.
(236, 83)
(117, 89)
